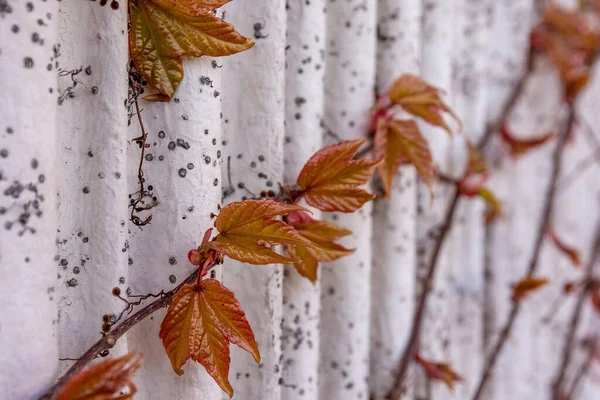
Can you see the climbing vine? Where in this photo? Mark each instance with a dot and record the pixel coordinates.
(203, 316)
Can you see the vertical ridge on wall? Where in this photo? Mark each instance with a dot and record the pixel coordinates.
(182, 171)
(394, 219)
(467, 238)
(28, 197)
(346, 284)
(304, 136)
(436, 70)
(92, 192)
(253, 112)
(520, 184)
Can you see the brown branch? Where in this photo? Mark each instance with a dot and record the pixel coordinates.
(582, 371)
(557, 387)
(534, 262)
(412, 345)
(108, 340)
(142, 140)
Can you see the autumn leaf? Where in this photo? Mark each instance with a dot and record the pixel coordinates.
(200, 323)
(306, 259)
(107, 380)
(248, 228)
(494, 205)
(522, 146)
(331, 178)
(163, 31)
(422, 100)
(527, 285)
(571, 252)
(439, 371)
(398, 142)
(193, 8)
(571, 42)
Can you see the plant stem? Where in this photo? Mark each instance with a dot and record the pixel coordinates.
(411, 347)
(534, 261)
(108, 340)
(557, 387)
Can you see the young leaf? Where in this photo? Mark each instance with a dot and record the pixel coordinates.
(331, 177)
(306, 259)
(401, 141)
(522, 146)
(200, 323)
(571, 252)
(160, 36)
(494, 210)
(107, 380)
(422, 100)
(439, 371)
(193, 8)
(248, 228)
(529, 284)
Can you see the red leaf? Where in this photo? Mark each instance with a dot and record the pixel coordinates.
(247, 230)
(324, 234)
(571, 252)
(398, 142)
(522, 146)
(200, 323)
(107, 380)
(331, 178)
(527, 285)
(420, 99)
(439, 371)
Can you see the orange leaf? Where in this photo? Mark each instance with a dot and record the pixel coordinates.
(331, 177)
(107, 380)
(439, 371)
(191, 7)
(247, 229)
(306, 259)
(527, 285)
(401, 141)
(571, 252)
(200, 323)
(522, 146)
(163, 31)
(422, 100)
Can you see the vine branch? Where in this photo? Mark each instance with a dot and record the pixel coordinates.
(557, 387)
(109, 339)
(534, 261)
(412, 345)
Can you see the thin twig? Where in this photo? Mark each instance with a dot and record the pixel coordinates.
(533, 263)
(143, 146)
(108, 340)
(589, 161)
(557, 387)
(583, 370)
(411, 347)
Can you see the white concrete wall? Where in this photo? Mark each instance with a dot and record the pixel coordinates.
(68, 168)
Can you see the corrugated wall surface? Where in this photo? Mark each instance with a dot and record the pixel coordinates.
(243, 124)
